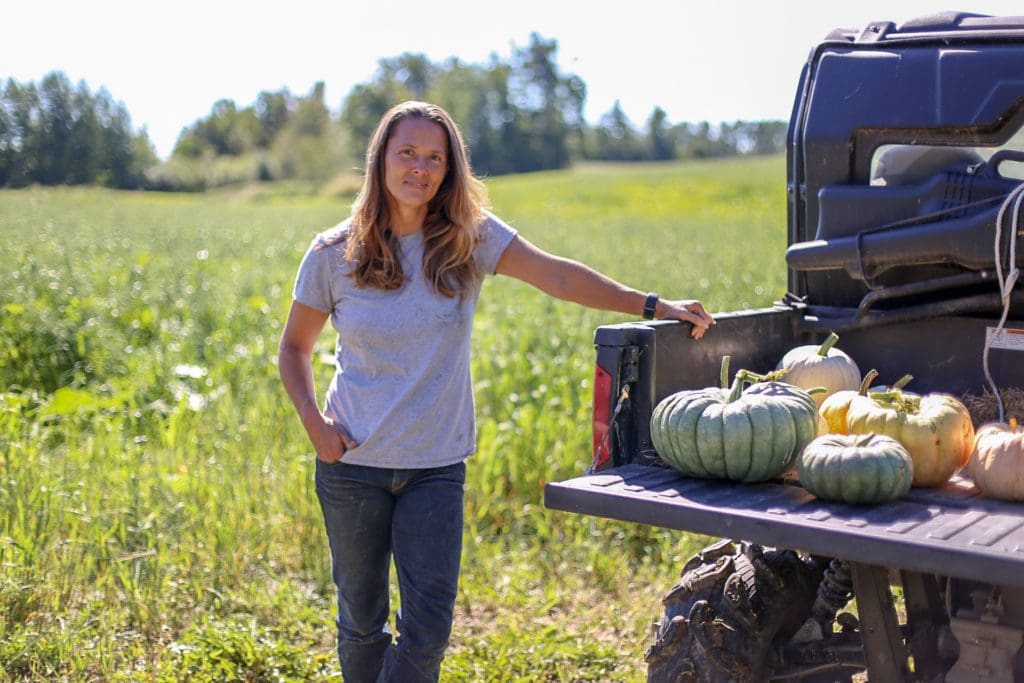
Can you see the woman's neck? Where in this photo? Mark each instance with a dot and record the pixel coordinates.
(406, 221)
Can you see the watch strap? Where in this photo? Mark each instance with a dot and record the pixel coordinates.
(650, 303)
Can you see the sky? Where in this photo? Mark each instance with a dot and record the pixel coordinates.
(169, 62)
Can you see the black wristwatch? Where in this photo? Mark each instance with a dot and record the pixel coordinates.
(649, 305)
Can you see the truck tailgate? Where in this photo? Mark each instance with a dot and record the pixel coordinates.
(950, 531)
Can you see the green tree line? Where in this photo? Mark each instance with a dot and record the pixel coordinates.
(518, 114)
(55, 134)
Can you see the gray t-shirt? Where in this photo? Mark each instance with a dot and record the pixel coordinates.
(402, 386)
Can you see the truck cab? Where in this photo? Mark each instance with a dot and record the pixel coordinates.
(904, 183)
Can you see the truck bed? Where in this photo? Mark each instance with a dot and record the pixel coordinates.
(948, 531)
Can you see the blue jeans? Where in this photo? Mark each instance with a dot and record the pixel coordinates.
(415, 516)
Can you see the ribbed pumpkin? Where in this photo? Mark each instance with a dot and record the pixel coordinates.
(821, 365)
(834, 408)
(936, 429)
(997, 460)
(741, 433)
(856, 468)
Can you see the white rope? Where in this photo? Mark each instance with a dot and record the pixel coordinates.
(1016, 198)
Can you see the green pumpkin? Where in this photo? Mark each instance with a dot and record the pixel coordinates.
(856, 468)
(744, 433)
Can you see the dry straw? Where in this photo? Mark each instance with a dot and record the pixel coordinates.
(984, 408)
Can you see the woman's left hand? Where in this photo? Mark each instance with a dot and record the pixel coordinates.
(686, 310)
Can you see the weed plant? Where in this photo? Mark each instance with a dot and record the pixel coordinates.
(157, 515)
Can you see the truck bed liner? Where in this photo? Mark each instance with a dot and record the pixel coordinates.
(948, 531)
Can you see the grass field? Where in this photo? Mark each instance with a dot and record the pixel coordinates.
(157, 515)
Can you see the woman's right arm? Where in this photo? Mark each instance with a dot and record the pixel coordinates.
(295, 364)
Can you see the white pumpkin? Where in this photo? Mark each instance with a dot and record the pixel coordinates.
(823, 366)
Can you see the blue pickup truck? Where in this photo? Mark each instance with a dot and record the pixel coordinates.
(905, 159)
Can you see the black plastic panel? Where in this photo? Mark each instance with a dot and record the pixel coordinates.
(949, 81)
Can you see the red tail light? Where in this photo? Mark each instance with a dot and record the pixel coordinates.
(602, 418)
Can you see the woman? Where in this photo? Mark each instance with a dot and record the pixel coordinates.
(399, 280)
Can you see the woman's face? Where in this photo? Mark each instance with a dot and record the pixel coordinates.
(415, 162)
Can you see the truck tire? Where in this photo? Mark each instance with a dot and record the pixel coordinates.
(734, 603)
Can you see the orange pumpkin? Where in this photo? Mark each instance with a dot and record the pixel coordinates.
(832, 410)
(997, 461)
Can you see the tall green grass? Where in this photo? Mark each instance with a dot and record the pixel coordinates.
(157, 519)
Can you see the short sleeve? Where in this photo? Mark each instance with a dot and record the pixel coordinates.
(313, 282)
(495, 236)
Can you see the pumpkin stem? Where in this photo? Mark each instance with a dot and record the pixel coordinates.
(737, 387)
(742, 379)
(896, 400)
(752, 377)
(866, 382)
(723, 373)
(912, 404)
(827, 345)
(902, 382)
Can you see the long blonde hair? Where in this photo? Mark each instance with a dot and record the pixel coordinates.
(451, 228)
